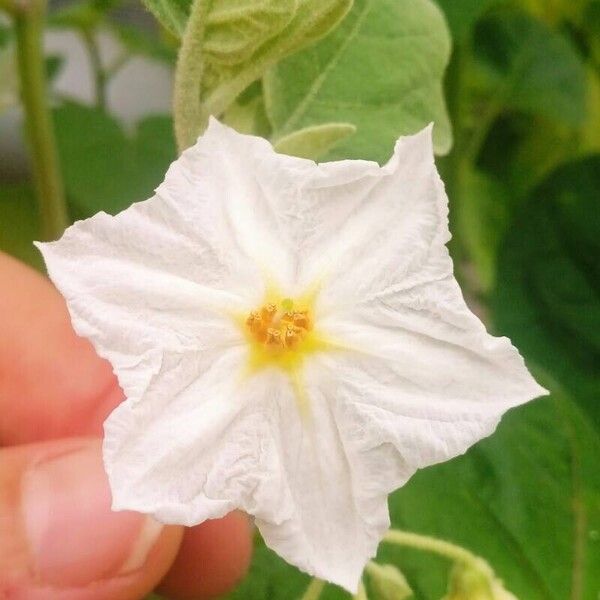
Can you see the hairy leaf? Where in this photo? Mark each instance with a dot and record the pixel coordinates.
(235, 29)
(381, 70)
(312, 20)
(171, 14)
(316, 141)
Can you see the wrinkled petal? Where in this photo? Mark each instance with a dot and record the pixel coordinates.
(328, 525)
(393, 238)
(425, 375)
(187, 452)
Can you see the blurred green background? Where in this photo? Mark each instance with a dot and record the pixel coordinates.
(514, 91)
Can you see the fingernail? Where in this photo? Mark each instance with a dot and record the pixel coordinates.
(74, 537)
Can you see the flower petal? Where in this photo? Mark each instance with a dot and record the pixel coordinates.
(187, 453)
(424, 373)
(361, 229)
(327, 522)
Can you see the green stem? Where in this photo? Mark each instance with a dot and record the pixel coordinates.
(100, 80)
(29, 22)
(314, 589)
(430, 544)
(189, 121)
(118, 63)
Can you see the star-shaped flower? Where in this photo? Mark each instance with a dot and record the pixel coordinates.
(290, 339)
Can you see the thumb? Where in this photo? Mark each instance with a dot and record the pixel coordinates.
(59, 539)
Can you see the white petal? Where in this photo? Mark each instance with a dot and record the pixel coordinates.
(363, 229)
(200, 446)
(188, 451)
(425, 375)
(328, 522)
(283, 208)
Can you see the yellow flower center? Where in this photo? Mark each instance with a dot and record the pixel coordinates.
(281, 333)
(279, 328)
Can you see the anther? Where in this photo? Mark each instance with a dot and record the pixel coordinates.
(269, 311)
(274, 338)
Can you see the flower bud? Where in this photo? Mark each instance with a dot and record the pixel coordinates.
(476, 581)
(388, 582)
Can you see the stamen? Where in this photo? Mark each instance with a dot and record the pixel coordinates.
(279, 328)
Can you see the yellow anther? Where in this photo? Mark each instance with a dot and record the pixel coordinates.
(274, 338)
(277, 327)
(268, 312)
(253, 318)
(301, 319)
(292, 336)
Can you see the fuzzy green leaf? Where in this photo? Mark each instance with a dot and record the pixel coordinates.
(171, 14)
(235, 29)
(381, 70)
(314, 142)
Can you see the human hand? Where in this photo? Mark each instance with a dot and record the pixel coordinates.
(59, 540)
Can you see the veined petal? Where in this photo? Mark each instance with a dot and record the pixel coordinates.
(328, 524)
(360, 229)
(188, 452)
(425, 374)
(134, 297)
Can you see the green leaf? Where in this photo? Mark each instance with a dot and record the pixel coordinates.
(104, 168)
(171, 14)
(85, 15)
(381, 70)
(316, 141)
(463, 14)
(548, 286)
(312, 19)
(19, 223)
(530, 67)
(247, 114)
(527, 500)
(235, 29)
(482, 214)
(142, 42)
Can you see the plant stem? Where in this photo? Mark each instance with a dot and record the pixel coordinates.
(29, 22)
(188, 118)
(430, 544)
(314, 589)
(89, 40)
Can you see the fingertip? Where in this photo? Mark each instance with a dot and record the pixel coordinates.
(212, 559)
(61, 541)
(54, 383)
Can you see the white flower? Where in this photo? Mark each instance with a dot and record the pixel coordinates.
(290, 339)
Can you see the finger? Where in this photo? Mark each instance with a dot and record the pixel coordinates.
(213, 557)
(52, 383)
(59, 539)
